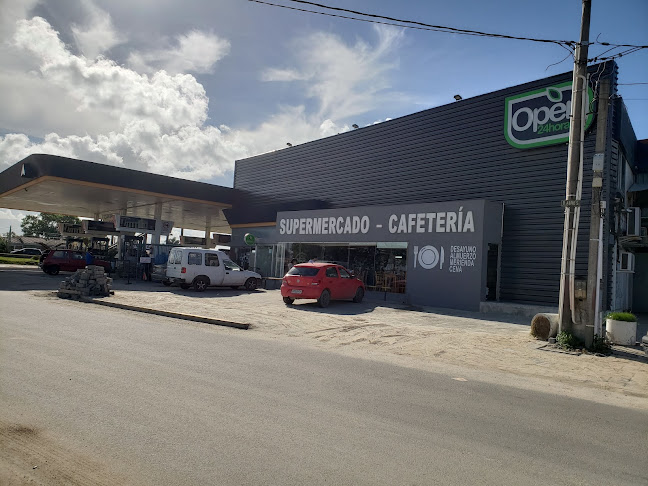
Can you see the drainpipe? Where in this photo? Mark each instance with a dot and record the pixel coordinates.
(595, 260)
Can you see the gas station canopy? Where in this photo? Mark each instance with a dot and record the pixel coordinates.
(52, 184)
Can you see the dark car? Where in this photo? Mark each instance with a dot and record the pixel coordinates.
(68, 261)
(27, 251)
(321, 281)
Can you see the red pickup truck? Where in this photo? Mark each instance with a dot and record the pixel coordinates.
(68, 261)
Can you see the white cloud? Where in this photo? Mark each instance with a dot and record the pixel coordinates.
(173, 101)
(98, 35)
(196, 52)
(157, 122)
(160, 118)
(345, 79)
(274, 74)
(10, 13)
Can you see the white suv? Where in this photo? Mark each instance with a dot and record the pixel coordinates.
(202, 268)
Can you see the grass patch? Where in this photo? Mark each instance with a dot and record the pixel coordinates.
(622, 316)
(19, 261)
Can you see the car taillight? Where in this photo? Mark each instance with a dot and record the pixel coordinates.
(184, 270)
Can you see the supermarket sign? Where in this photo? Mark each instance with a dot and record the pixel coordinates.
(541, 117)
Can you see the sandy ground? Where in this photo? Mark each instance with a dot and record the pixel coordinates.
(486, 347)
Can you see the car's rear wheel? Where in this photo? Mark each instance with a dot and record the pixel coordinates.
(166, 283)
(359, 295)
(251, 284)
(324, 299)
(288, 300)
(52, 269)
(200, 284)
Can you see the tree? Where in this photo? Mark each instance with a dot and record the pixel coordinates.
(45, 224)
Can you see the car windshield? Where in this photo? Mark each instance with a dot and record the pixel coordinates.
(304, 271)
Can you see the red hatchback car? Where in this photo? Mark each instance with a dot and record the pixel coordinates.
(321, 281)
(68, 261)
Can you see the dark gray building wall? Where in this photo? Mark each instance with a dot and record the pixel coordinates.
(453, 152)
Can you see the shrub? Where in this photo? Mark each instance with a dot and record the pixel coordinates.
(622, 316)
(567, 340)
(600, 345)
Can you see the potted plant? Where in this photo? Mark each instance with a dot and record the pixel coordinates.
(621, 328)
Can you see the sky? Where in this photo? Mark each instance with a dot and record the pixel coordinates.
(185, 88)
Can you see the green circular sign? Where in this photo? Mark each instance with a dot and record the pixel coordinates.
(249, 239)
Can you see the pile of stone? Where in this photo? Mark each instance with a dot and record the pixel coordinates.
(90, 281)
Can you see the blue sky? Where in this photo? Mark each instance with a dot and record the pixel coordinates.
(185, 88)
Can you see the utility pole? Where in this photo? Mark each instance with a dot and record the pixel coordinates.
(566, 311)
(596, 222)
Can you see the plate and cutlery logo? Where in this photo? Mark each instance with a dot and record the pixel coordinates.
(461, 257)
(429, 257)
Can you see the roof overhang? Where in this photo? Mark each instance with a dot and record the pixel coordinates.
(52, 184)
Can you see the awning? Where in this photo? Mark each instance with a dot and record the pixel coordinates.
(52, 184)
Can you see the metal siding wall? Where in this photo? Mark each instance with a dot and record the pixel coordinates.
(453, 152)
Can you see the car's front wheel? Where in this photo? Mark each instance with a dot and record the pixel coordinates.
(52, 270)
(324, 299)
(359, 295)
(251, 284)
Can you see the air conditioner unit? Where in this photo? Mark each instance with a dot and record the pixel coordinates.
(626, 262)
(634, 221)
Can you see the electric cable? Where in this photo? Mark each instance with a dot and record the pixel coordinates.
(413, 24)
(559, 62)
(445, 28)
(416, 25)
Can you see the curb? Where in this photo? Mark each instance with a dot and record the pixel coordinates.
(176, 315)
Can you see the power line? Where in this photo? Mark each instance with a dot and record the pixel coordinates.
(453, 29)
(615, 56)
(629, 84)
(566, 44)
(416, 25)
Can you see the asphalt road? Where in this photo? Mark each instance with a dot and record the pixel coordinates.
(90, 395)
